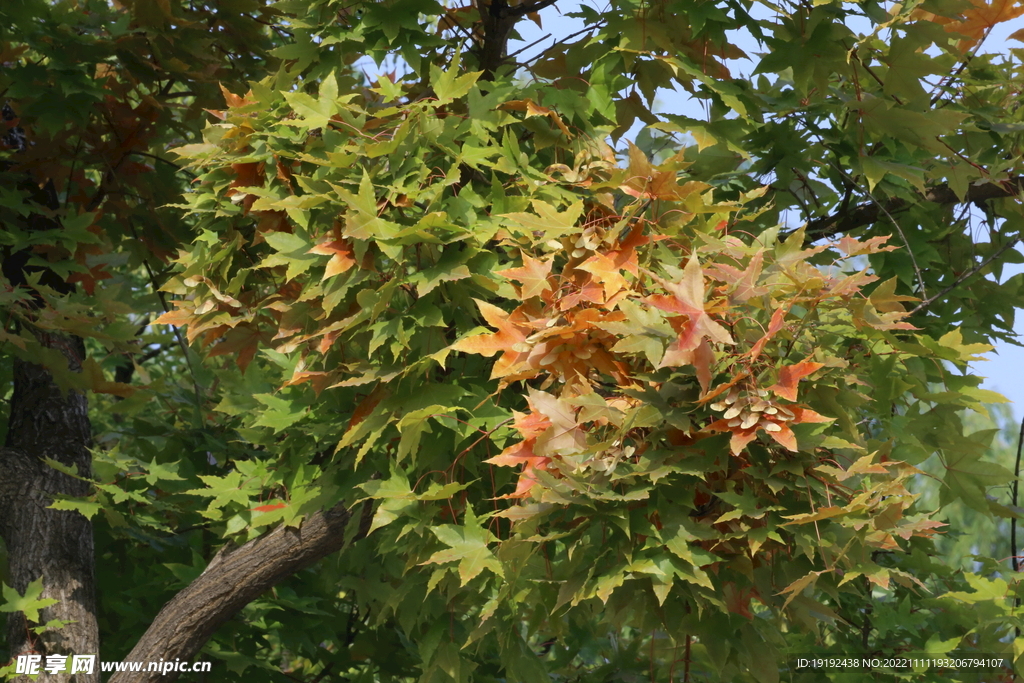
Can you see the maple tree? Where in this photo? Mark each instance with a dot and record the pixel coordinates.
(572, 403)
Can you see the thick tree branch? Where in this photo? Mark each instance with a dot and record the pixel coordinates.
(861, 215)
(232, 580)
(497, 19)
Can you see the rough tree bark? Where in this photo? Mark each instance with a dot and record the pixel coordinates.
(55, 545)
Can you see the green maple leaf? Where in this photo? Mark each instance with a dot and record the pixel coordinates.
(157, 471)
(30, 603)
(468, 545)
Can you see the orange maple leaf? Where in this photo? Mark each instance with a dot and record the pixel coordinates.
(605, 272)
(508, 336)
(521, 454)
(851, 246)
(530, 425)
(341, 255)
(533, 275)
(744, 281)
(180, 316)
(778, 318)
(790, 376)
(367, 405)
(645, 181)
(976, 21)
(687, 298)
(550, 428)
(233, 100)
(242, 342)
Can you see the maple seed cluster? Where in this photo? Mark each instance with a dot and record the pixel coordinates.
(744, 413)
(748, 411)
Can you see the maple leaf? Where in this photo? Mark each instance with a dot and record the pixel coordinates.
(740, 437)
(182, 315)
(778, 318)
(508, 336)
(533, 275)
(976, 21)
(368, 404)
(605, 271)
(521, 454)
(737, 600)
(687, 298)
(883, 310)
(744, 281)
(232, 100)
(564, 433)
(242, 342)
(248, 174)
(319, 380)
(851, 246)
(269, 507)
(92, 371)
(645, 181)
(549, 428)
(530, 426)
(703, 357)
(885, 299)
(623, 255)
(790, 376)
(533, 109)
(340, 251)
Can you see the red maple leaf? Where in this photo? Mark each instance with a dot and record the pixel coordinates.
(269, 507)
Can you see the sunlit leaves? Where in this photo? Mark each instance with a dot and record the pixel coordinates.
(447, 296)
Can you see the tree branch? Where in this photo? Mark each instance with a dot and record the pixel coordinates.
(865, 214)
(233, 579)
(523, 10)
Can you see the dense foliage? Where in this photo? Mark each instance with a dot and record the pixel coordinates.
(644, 412)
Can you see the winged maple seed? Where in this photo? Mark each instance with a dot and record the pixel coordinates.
(746, 412)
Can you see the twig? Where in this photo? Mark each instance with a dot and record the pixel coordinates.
(569, 37)
(959, 281)
(528, 46)
(181, 169)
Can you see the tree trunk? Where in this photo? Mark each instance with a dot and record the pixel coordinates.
(57, 546)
